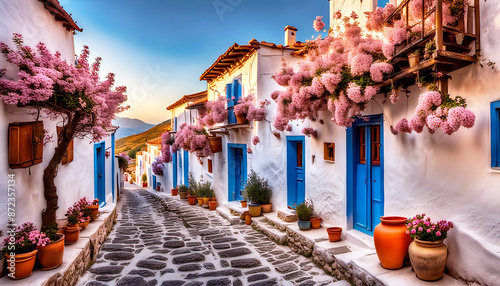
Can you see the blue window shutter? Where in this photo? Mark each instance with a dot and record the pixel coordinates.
(229, 95)
(236, 91)
(495, 134)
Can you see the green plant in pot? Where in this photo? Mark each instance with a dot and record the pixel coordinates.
(205, 190)
(258, 191)
(414, 58)
(144, 179)
(192, 190)
(305, 211)
(183, 192)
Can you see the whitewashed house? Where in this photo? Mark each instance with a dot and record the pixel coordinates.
(89, 169)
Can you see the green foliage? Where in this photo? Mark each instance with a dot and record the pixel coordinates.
(205, 190)
(144, 178)
(305, 210)
(134, 151)
(193, 185)
(362, 80)
(122, 163)
(257, 189)
(137, 141)
(182, 188)
(457, 7)
(51, 231)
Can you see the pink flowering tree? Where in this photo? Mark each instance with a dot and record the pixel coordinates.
(158, 166)
(214, 112)
(76, 95)
(251, 111)
(193, 139)
(166, 141)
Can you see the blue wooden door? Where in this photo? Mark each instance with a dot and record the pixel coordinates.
(237, 171)
(186, 168)
(99, 172)
(174, 169)
(367, 175)
(154, 182)
(296, 186)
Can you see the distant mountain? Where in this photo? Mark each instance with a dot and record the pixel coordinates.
(138, 141)
(130, 126)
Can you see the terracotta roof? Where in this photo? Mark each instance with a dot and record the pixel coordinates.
(236, 53)
(156, 141)
(55, 8)
(189, 98)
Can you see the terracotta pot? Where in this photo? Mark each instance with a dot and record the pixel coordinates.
(200, 201)
(144, 185)
(267, 208)
(413, 60)
(84, 224)
(51, 255)
(255, 209)
(315, 222)
(215, 144)
(157, 188)
(71, 234)
(212, 205)
(183, 195)
(428, 259)
(241, 118)
(334, 233)
(243, 204)
(213, 199)
(248, 219)
(94, 209)
(304, 224)
(192, 200)
(175, 192)
(391, 241)
(22, 264)
(206, 200)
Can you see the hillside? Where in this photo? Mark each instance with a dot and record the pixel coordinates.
(138, 141)
(130, 126)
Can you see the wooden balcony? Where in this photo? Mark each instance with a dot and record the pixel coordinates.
(456, 44)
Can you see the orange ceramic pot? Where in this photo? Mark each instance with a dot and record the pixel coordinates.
(51, 255)
(175, 192)
(21, 265)
(192, 200)
(315, 222)
(391, 241)
(267, 208)
(200, 201)
(243, 204)
(95, 212)
(248, 219)
(71, 233)
(212, 205)
(334, 233)
(206, 200)
(241, 118)
(84, 224)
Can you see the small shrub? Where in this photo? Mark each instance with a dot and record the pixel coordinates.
(305, 210)
(144, 178)
(193, 185)
(183, 188)
(205, 190)
(257, 189)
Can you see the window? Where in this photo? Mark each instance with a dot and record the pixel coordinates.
(375, 134)
(362, 147)
(209, 165)
(25, 144)
(68, 156)
(233, 94)
(495, 134)
(300, 164)
(329, 151)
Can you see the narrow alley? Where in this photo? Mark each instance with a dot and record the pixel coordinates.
(165, 242)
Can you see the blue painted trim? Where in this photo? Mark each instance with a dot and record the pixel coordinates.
(101, 161)
(352, 157)
(291, 164)
(186, 168)
(495, 134)
(174, 168)
(113, 166)
(231, 179)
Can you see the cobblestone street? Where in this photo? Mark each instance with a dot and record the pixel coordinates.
(166, 242)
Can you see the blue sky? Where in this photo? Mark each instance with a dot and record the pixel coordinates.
(159, 48)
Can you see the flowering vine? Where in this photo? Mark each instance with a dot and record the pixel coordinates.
(166, 141)
(214, 112)
(247, 108)
(193, 139)
(158, 166)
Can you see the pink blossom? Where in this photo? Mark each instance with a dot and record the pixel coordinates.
(318, 24)
(438, 233)
(337, 15)
(377, 71)
(255, 140)
(360, 64)
(413, 231)
(310, 132)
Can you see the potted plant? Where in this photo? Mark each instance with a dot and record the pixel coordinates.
(72, 229)
(258, 191)
(183, 191)
(175, 191)
(428, 253)
(241, 109)
(144, 179)
(248, 218)
(243, 203)
(86, 213)
(192, 191)
(51, 254)
(206, 191)
(430, 48)
(414, 58)
(21, 253)
(391, 241)
(305, 211)
(94, 209)
(334, 233)
(212, 205)
(315, 221)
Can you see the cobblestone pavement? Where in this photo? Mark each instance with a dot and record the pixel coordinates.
(172, 243)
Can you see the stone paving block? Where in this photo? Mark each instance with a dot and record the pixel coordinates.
(173, 283)
(118, 255)
(106, 277)
(174, 244)
(209, 266)
(219, 282)
(195, 257)
(245, 263)
(294, 275)
(151, 264)
(258, 270)
(221, 246)
(270, 282)
(131, 281)
(286, 267)
(180, 251)
(142, 272)
(257, 277)
(158, 257)
(107, 270)
(235, 252)
(189, 267)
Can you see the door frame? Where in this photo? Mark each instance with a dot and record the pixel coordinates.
(100, 162)
(185, 171)
(230, 166)
(290, 141)
(174, 170)
(350, 159)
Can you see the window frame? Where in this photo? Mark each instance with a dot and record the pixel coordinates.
(326, 155)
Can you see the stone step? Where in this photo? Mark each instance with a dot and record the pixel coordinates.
(287, 215)
(226, 214)
(261, 224)
(236, 209)
(273, 219)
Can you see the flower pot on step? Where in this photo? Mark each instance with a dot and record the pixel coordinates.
(200, 201)
(71, 234)
(212, 205)
(248, 219)
(23, 264)
(191, 200)
(51, 255)
(243, 204)
(241, 118)
(206, 200)
(144, 185)
(267, 208)
(304, 224)
(94, 210)
(391, 241)
(255, 209)
(84, 224)
(183, 195)
(428, 259)
(175, 192)
(334, 233)
(315, 222)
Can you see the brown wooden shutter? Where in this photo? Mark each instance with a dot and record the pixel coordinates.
(25, 144)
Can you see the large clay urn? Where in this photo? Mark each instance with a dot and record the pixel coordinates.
(428, 259)
(391, 241)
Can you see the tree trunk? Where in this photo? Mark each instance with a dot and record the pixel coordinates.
(49, 174)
